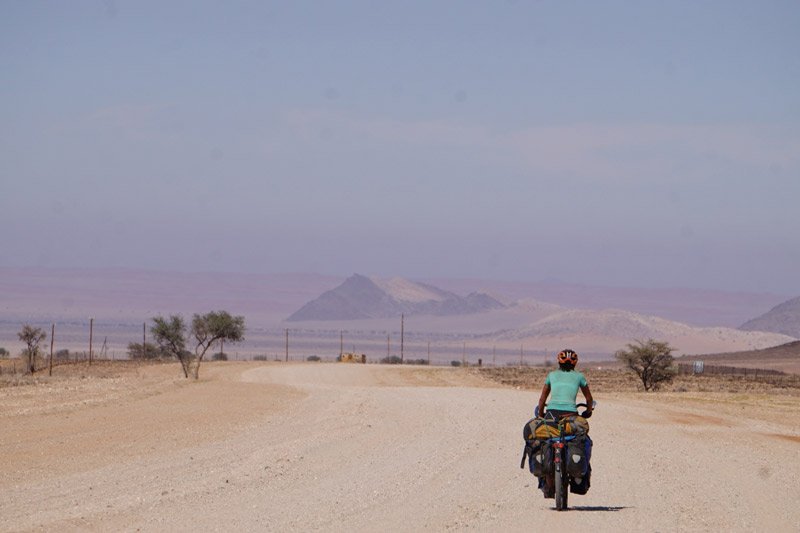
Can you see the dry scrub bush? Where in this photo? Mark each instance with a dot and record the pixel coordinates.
(31, 336)
(652, 361)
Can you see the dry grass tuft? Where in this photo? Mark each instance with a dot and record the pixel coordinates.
(12, 371)
(619, 380)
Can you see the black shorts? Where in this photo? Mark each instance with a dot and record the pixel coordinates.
(558, 413)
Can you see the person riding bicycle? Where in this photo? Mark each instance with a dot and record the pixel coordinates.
(562, 386)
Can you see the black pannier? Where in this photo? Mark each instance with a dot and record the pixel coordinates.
(579, 454)
(581, 487)
(577, 459)
(541, 459)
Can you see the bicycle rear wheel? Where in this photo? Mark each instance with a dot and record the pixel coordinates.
(562, 487)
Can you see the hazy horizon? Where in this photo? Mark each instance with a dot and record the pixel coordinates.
(616, 144)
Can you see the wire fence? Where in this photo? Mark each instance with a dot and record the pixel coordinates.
(686, 368)
(761, 375)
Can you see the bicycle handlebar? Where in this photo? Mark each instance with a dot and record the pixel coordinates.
(585, 414)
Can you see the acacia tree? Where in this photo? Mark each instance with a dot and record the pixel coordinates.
(651, 361)
(212, 327)
(170, 335)
(31, 336)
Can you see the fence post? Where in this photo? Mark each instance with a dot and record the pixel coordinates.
(52, 340)
(91, 330)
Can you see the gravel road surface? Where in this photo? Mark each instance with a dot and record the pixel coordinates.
(338, 447)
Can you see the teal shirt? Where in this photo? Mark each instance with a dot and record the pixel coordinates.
(564, 388)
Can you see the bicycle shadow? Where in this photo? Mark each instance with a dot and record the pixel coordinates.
(606, 508)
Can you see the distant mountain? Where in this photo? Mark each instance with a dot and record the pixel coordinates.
(360, 297)
(699, 307)
(783, 318)
(610, 328)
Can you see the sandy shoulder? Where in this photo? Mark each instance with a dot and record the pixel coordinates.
(77, 424)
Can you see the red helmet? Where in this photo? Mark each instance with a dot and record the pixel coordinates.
(568, 356)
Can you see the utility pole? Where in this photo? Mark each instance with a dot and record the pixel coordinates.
(464, 355)
(341, 344)
(52, 340)
(494, 355)
(520, 355)
(388, 345)
(402, 335)
(144, 340)
(429, 353)
(91, 329)
(287, 345)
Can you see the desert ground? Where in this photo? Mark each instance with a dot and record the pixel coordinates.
(267, 446)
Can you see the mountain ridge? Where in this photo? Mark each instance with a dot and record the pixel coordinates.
(129, 297)
(615, 327)
(362, 297)
(784, 318)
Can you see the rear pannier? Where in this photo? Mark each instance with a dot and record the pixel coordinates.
(541, 459)
(578, 455)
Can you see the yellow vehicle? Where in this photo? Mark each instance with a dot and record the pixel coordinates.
(349, 357)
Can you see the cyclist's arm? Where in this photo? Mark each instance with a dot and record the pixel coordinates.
(588, 395)
(543, 398)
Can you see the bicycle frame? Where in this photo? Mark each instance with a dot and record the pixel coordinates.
(561, 475)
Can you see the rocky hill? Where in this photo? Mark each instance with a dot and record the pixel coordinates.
(603, 330)
(361, 297)
(783, 318)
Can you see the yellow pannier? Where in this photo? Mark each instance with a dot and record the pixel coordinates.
(540, 429)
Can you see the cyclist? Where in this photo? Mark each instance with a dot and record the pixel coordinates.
(563, 385)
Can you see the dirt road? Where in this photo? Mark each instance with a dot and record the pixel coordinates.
(374, 448)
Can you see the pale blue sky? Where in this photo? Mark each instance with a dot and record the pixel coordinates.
(622, 143)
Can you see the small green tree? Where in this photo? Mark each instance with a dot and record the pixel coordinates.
(213, 327)
(3, 353)
(651, 361)
(170, 335)
(31, 336)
